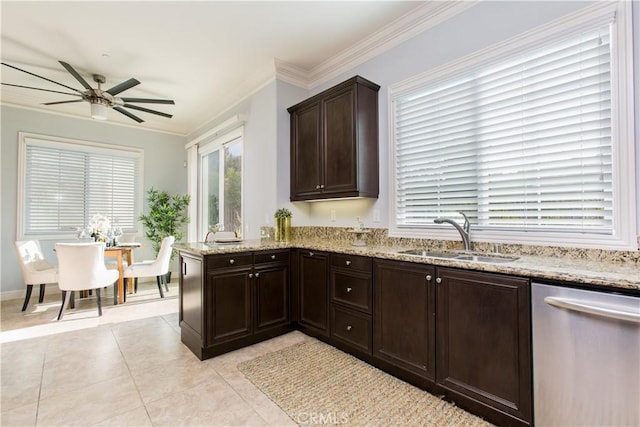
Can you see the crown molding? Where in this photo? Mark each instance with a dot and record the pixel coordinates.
(427, 15)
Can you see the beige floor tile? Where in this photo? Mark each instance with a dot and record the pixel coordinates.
(185, 373)
(20, 417)
(67, 373)
(156, 353)
(212, 403)
(135, 418)
(90, 405)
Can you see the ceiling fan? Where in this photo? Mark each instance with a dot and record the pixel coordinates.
(100, 100)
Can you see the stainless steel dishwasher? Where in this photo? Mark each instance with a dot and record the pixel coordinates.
(586, 357)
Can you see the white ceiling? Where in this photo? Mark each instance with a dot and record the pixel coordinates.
(204, 54)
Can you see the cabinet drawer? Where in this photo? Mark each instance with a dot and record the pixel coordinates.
(351, 327)
(229, 261)
(352, 262)
(352, 289)
(271, 256)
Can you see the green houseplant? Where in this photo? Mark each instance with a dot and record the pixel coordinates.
(167, 216)
(282, 225)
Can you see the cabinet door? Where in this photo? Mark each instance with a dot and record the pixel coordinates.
(306, 152)
(229, 296)
(313, 288)
(340, 142)
(271, 290)
(484, 339)
(404, 310)
(191, 293)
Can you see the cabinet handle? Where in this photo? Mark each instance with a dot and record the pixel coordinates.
(438, 280)
(348, 327)
(184, 268)
(321, 185)
(250, 275)
(257, 274)
(231, 261)
(348, 289)
(318, 187)
(348, 262)
(273, 257)
(310, 253)
(428, 277)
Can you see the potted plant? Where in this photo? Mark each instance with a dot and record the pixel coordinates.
(167, 216)
(282, 225)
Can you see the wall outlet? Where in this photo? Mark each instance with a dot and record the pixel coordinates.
(376, 215)
(333, 215)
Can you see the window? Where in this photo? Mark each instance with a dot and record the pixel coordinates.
(523, 144)
(65, 182)
(221, 184)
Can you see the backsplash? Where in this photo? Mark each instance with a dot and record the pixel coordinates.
(379, 237)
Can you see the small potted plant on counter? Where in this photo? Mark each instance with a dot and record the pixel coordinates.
(282, 225)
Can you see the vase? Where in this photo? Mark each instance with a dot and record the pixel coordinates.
(283, 229)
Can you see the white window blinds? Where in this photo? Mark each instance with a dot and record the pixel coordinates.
(66, 184)
(520, 144)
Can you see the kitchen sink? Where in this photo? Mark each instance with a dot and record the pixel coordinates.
(482, 258)
(423, 253)
(456, 256)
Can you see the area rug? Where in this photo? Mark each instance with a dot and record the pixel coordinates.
(316, 384)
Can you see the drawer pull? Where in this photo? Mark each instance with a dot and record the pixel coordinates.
(348, 289)
(321, 185)
(250, 275)
(310, 253)
(438, 280)
(428, 277)
(257, 274)
(231, 261)
(348, 262)
(273, 257)
(318, 187)
(348, 327)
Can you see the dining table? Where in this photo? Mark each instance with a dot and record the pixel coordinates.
(122, 251)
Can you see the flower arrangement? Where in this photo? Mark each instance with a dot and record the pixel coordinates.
(99, 227)
(282, 225)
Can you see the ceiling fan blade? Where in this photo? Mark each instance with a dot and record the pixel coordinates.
(62, 102)
(75, 74)
(146, 110)
(149, 101)
(46, 90)
(40, 77)
(128, 114)
(123, 86)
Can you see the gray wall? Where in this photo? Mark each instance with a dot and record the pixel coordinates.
(164, 156)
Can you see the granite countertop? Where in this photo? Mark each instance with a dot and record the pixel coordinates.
(597, 273)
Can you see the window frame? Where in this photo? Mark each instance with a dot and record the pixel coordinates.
(208, 147)
(82, 146)
(624, 190)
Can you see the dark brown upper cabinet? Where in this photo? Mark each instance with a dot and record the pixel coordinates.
(334, 143)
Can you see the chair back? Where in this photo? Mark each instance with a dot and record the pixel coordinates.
(164, 255)
(30, 257)
(81, 266)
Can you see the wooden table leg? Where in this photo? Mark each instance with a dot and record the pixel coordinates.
(120, 278)
(129, 262)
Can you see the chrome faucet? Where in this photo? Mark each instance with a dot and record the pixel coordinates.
(464, 230)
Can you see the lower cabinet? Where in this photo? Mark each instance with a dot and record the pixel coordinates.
(484, 343)
(351, 303)
(313, 288)
(244, 299)
(404, 317)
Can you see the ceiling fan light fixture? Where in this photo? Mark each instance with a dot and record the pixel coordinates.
(98, 111)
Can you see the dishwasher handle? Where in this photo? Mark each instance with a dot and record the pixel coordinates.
(593, 309)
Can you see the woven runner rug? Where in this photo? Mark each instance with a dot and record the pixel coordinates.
(316, 384)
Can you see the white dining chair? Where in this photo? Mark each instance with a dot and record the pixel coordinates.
(35, 269)
(158, 267)
(80, 267)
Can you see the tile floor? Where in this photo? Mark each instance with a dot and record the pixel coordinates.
(126, 368)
